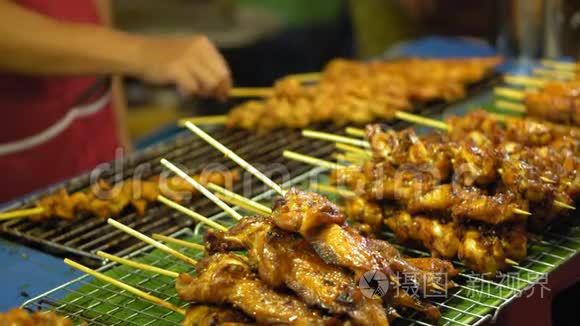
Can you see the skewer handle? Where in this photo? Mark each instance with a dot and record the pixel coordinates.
(232, 194)
(205, 120)
(234, 157)
(251, 92)
(201, 189)
(137, 265)
(183, 243)
(152, 242)
(311, 160)
(139, 293)
(21, 213)
(413, 118)
(194, 215)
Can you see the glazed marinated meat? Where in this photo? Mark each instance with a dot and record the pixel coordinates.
(227, 279)
(202, 315)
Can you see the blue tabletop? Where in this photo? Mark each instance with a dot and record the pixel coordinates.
(26, 272)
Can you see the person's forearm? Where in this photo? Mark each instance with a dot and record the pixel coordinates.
(34, 44)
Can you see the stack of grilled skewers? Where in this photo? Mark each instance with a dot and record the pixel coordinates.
(352, 92)
(466, 193)
(297, 263)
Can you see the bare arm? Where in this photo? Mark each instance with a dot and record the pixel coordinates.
(34, 44)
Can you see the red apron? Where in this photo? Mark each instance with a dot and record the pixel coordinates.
(48, 131)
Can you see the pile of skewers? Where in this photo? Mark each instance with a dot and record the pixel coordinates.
(104, 200)
(352, 92)
(466, 193)
(301, 264)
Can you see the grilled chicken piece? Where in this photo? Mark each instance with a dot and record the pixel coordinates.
(473, 204)
(105, 200)
(405, 300)
(21, 317)
(286, 260)
(436, 266)
(557, 102)
(304, 212)
(476, 120)
(474, 160)
(202, 315)
(442, 239)
(484, 254)
(227, 279)
(365, 212)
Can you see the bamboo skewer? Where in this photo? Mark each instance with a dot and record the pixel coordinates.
(421, 120)
(311, 160)
(234, 157)
(525, 80)
(183, 243)
(204, 120)
(251, 92)
(232, 194)
(152, 242)
(241, 204)
(510, 106)
(353, 149)
(15, 214)
(194, 215)
(332, 190)
(560, 65)
(509, 93)
(554, 74)
(138, 265)
(560, 204)
(356, 132)
(307, 77)
(334, 138)
(139, 293)
(201, 188)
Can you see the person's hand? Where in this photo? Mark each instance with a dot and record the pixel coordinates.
(192, 64)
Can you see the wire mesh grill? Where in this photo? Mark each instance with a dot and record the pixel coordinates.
(473, 301)
(86, 235)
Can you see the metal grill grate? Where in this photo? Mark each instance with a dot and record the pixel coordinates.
(474, 301)
(83, 237)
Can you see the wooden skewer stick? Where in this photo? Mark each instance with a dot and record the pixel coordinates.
(511, 262)
(521, 212)
(306, 77)
(413, 118)
(201, 189)
(334, 138)
(560, 204)
(194, 215)
(204, 120)
(232, 194)
(138, 265)
(236, 202)
(525, 80)
(152, 242)
(510, 106)
(561, 65)
(510, 93)
(354, 150)
(139, 293)
(332, 190)
(356, 132)
(547, 180)
(183, 243)
(311, 160)
(21, 213)
(348, 158)
(554, 74)
(251, 92)
(234, 157)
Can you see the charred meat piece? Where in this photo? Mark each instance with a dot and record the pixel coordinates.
(442, 239)
(473, 204)
(227, 279)
(303, 212)
(286, 260)
(202, 315)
